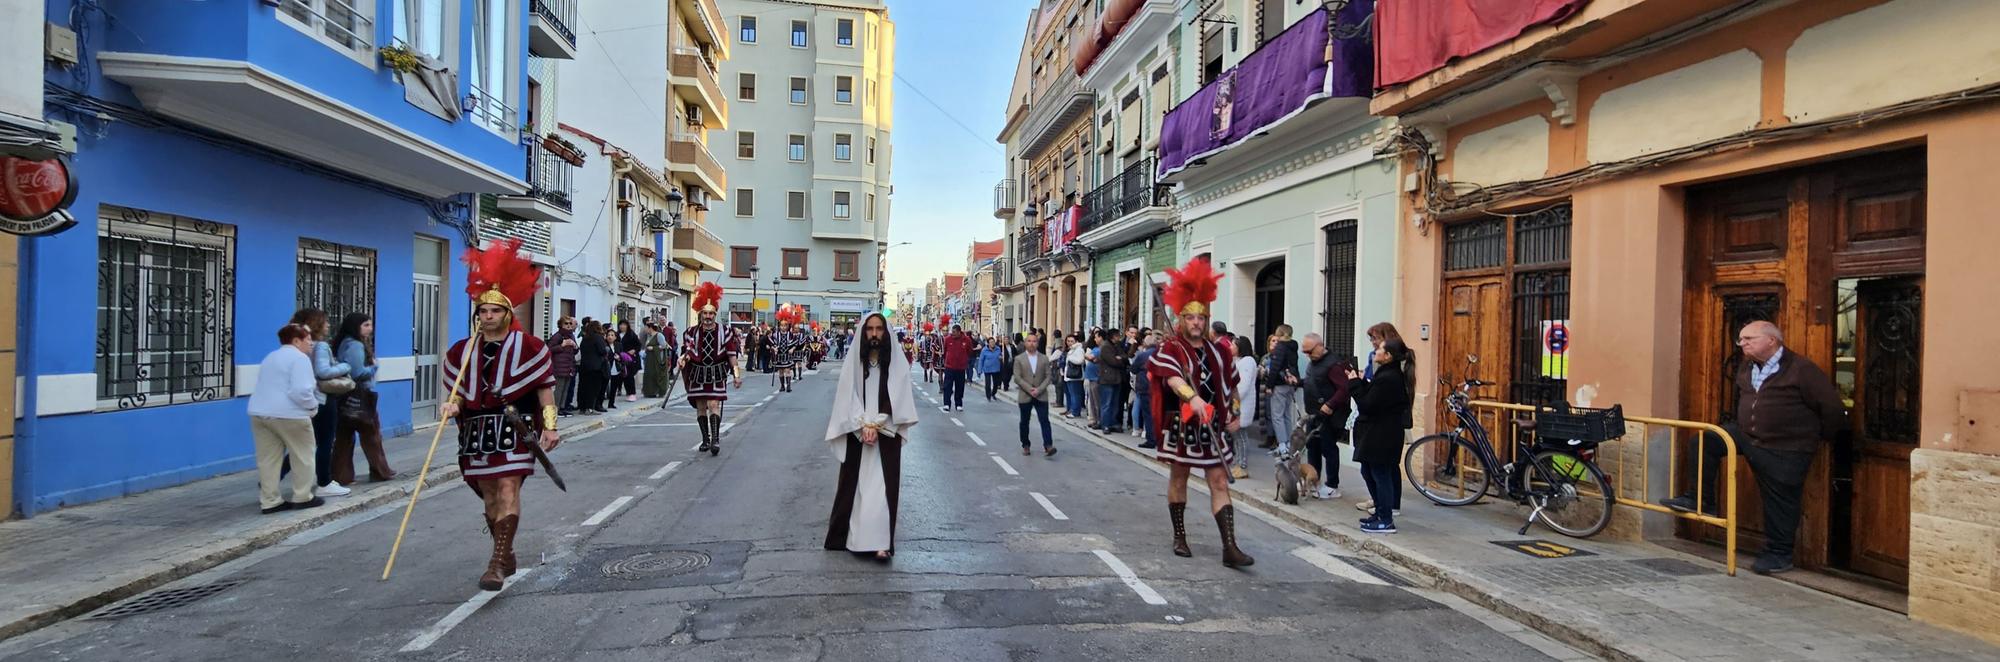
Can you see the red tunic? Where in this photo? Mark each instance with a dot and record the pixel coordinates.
(511, 371)
(710, 354)
(1208, 367)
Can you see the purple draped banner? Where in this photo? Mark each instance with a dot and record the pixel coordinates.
(1281, 78)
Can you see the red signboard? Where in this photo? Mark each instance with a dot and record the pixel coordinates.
(33, 193)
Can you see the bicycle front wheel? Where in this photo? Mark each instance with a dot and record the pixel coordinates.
(1573, 494)
(1447, 470)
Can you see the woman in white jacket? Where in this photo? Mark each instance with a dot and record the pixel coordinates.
(1246, 403)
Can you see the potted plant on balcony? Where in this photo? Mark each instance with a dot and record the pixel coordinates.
(399, 59)
(563, 148)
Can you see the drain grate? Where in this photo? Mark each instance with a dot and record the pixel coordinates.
(163, 600)
(649, 565)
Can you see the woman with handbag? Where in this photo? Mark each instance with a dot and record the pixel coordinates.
(355, 346)
(629, 349)
(333, 383)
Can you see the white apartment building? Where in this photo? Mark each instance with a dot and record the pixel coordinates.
(808, 154)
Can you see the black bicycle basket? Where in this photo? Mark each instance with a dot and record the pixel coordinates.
(1566, 426)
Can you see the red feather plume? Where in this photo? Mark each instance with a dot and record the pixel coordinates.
(707, 294)
(501, 265)
(944, 321)
(790, 313)
(929, 327)
(1193, 283)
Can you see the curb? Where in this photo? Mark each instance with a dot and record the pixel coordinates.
(1590, 640)
(205, 558)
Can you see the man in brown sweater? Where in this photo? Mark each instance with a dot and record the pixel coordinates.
(1786, 407)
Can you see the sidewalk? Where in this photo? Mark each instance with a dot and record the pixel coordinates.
(1617, 599)
(70, 562)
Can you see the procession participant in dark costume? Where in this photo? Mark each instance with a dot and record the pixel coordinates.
(1191, 376)
(505, 403)
(707, 366)
(909, 346)
(874, 407)
(815, 347)
(786, 343)
(924, 342)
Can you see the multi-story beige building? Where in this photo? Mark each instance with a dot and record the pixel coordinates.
(808, 154)
(1048, 136)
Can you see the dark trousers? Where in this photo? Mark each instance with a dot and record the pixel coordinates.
(590, 389)
(992, 382)
(1323, 450)
(1781, 485)
(954, 387)
(566, 392)
(1040, 408)
(1073, 398)
(1110, 406)
(1385, 487)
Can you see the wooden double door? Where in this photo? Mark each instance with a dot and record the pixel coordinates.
(1834, 255)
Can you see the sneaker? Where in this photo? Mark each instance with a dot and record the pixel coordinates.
(1771, 565)
(314, 503)
(1365, 506)
(1149, 445)
(1327, 493)
(1378, 527)
(958, 408)
(944, 408)
(331, 490)
(1238, 471)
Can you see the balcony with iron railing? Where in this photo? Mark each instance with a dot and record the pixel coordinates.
(550, 183)
(1029, 251)
(707, 24)
(698, 248)
(693, 76)
(688, 155)
(552, 30)
(1131, 205)
(1062, 101)
(1006, 197)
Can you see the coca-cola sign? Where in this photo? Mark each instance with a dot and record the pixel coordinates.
(33, 194)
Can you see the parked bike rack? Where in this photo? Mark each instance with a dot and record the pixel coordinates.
(1728, 519)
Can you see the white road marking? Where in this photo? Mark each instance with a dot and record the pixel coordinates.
(1131, 580)
(1334, 566)
(457, 616)
(660, 425)
(1004, 466)
(697, 446)
(1046, 505)
(975, 438)
(607, 511)
(725, 428)
(768, 397)
(662, 473)
(955, 421)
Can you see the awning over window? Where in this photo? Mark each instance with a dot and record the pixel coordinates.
(1416, 37)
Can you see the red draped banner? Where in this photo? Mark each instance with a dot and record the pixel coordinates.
(1416, 37)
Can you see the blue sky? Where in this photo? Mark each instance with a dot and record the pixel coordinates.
(961, 54)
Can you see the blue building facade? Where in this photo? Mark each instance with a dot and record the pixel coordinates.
(237, 161)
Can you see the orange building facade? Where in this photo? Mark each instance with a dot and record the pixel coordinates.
(1652, 174)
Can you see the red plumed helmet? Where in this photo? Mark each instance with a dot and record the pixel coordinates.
(790, 313)
(1192, 287)
(707, 296)
(500, 275)
(944, 320)
(929, 327)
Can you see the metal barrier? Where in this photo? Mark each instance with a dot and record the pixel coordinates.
(1618, 469)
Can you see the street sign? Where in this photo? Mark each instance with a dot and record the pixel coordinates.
(760, 304)
(1556, 342)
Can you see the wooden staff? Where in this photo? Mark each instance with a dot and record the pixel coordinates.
(464, 364)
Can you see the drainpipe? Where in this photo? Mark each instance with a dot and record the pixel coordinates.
(27, 433)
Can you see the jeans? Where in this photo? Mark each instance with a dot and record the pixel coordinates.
(1040, 408)
(566, 392)
(325, 422)
(1385, 486)
(1110, 406)
(1284, 413)
(954, 388)
(1323, 450)
(1073, 397)
(1142, 414)
(1781, 483)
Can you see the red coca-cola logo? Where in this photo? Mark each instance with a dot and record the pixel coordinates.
(31, 189)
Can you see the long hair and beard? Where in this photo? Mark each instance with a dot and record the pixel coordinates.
(874, 352)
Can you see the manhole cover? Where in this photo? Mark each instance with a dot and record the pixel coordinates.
(163, 600)
(649, 565)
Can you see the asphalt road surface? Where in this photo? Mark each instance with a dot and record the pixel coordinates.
(657, 552)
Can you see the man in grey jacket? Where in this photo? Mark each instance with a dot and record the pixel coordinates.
(1035, 379)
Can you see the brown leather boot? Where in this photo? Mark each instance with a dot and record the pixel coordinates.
(1179, 511)
(1225, 520)
(501, 566)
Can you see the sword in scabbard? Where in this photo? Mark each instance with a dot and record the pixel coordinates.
(534, 443)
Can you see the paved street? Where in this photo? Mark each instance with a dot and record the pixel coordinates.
(658, 552)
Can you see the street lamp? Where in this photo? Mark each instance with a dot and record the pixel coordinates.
(675, 204)
(881, 288)
(753, 293)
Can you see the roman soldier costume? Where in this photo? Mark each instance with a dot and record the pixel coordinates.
(1197, 436)
(786, 345)
(496, 384)
(710, 352)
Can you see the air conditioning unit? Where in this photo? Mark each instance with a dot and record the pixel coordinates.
(694, 116)
(697, 198)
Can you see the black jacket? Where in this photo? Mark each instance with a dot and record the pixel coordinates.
(1384, 407)
(1112, 364)
(1284, 361)
(1325, 382)
(595, 353)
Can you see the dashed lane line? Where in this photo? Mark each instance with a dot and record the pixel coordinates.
(1130, 578)
(457, 616)
(955, 421)
(975, 437)
(662, 473)
(1004, 466)
(1334, 566)
(1048, 506)
(607, 511)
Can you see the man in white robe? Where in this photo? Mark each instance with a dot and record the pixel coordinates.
(872, 412)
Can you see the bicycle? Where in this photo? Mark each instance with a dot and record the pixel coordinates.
(1561, 480)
